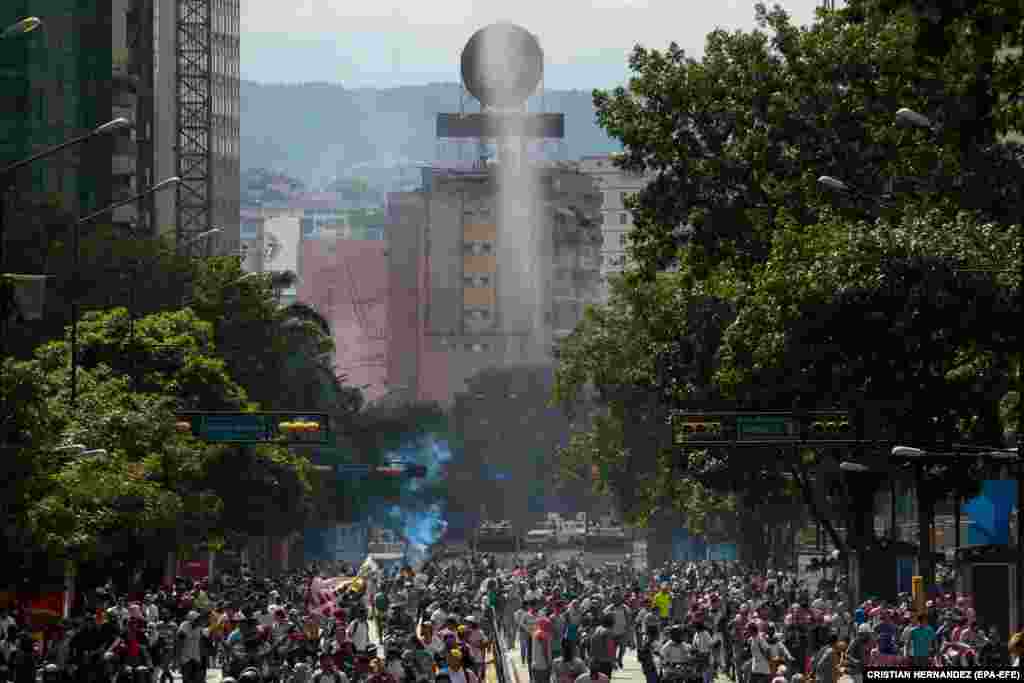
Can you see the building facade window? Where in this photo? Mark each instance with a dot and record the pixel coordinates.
(623, 219)
(477, 248)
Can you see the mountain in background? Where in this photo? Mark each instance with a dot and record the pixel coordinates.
(320, 131)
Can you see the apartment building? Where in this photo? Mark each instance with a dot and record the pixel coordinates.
(56, 84)
(101, 60)
(615, 186)
(460, 302)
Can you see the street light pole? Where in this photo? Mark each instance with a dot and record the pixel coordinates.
(909, 117)
(76, 246)
(7, 172)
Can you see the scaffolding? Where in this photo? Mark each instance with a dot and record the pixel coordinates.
(194, 56)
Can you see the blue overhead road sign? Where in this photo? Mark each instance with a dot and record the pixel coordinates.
(271, 427)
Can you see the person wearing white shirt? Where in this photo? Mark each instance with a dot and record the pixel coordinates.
(190, 635)
(439, 617)
(675, 650)
(151, 611)
(517, 621)
(764, 647)
(358, 633)
(704, 643)
(7, 622)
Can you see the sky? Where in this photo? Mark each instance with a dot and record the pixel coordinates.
(390, 43)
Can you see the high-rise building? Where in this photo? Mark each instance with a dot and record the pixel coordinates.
(615, 186)
(120, 58)
(456, 308)
(346, 281)
(273, 234)
(492, 261)
(56, 84)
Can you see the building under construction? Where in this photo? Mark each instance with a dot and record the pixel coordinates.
(197, 132)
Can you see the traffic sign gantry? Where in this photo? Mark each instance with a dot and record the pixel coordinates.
(766, 427)
(697, 429)
(252, 428)
(358, 471)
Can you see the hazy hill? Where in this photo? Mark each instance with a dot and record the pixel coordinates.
(315, 131)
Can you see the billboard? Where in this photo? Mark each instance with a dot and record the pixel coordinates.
(687, 548)
(281, 236)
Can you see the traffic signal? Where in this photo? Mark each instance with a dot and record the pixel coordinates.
(299, 429)
(698, 428)
(830, 427)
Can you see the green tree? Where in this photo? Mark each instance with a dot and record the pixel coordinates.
(281, 355)
(155, 489)
(117, 268)
(610, 376)
(736, 142)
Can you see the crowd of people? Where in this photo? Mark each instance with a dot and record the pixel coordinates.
(448, 620)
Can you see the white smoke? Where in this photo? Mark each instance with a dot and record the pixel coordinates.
(519, 221)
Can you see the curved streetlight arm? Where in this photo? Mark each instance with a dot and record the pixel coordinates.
(173, 180)
(169, 182)
(108, 127)
(908, 117)
(21, 27)
(837, 185)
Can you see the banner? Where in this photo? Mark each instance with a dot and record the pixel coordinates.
(322, 596)
(194, 569)
(45, 609)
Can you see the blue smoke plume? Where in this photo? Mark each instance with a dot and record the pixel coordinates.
(419, 514)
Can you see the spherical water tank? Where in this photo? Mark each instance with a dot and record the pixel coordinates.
(502, 64)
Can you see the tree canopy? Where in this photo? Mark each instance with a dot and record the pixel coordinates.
(142, 487)
(752, 284)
